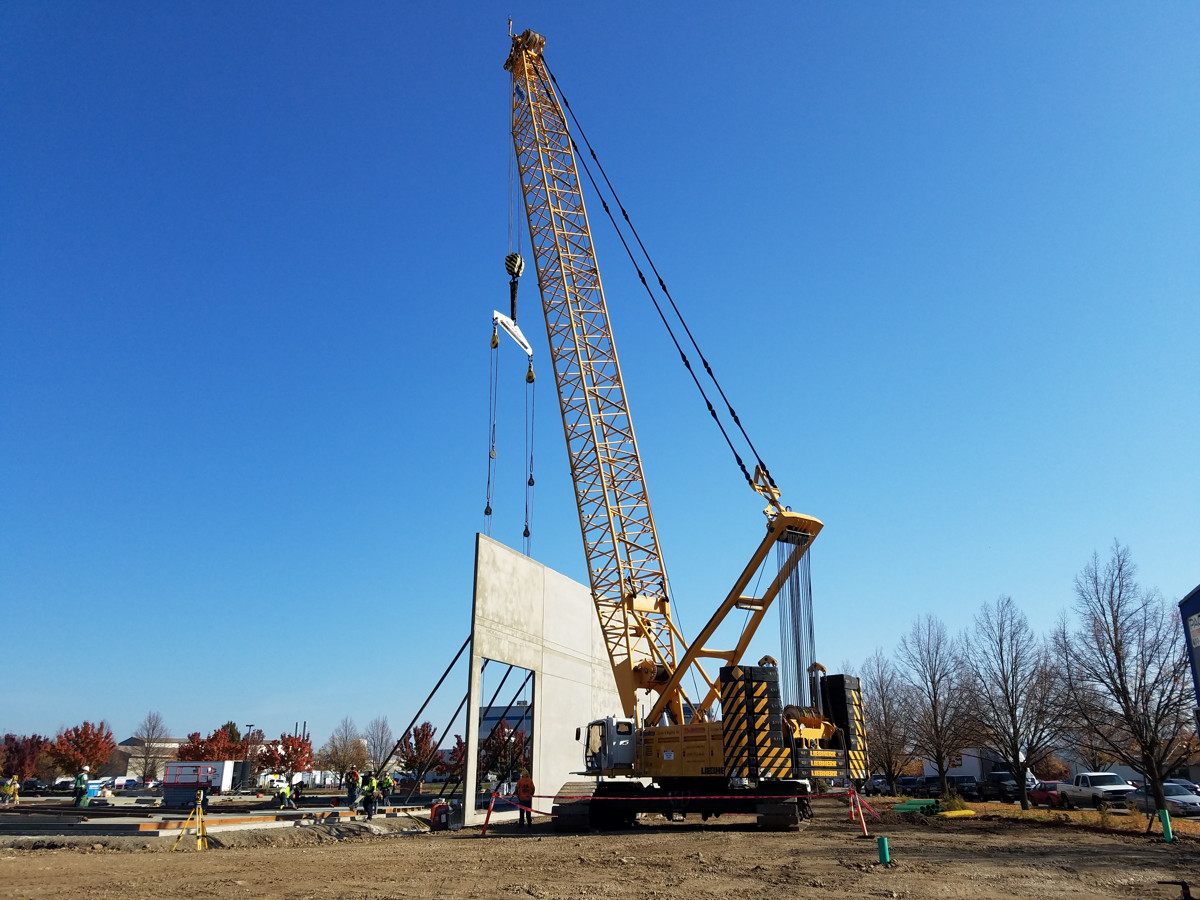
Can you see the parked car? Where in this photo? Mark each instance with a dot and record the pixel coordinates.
(1000, 786)
(34, 786)
(1045, 792)
(929, 786)
(966, 786)
(876, 784)
(906, 784)
(1180, 801)
(1185, 784)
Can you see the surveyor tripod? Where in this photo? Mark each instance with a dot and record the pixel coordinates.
(201, 832)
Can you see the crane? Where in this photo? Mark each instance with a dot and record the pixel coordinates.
(680, 744)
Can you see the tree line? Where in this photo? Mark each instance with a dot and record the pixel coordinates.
(1109, 685)
(91, 744)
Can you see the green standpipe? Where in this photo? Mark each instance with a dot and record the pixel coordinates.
(884, 856)
(1165, 818)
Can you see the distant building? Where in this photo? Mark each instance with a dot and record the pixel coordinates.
(130, 757)
(519, 715)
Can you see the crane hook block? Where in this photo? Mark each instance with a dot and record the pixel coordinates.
(529, 376)
(514, 265)
(487, 510)
(495, 338)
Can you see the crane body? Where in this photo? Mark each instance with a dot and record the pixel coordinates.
(756, 756)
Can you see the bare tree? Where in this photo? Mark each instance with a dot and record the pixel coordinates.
(152, 734)
(942, 723)
(1086, 743)
(1017, 700)
(380, 740)
(345, 748)
(1126, 670)
(888, 710)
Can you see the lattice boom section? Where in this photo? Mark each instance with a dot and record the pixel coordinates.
(614, 512)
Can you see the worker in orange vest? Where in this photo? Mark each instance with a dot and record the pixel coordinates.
(525, 792)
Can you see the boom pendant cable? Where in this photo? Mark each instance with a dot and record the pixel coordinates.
(662, 285)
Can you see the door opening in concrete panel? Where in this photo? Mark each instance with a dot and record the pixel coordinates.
(505, 732)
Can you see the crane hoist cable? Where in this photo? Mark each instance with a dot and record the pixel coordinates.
(493, 391)
(515, 266)
(530, 410)
(662, 285)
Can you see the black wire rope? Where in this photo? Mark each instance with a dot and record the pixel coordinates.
(662, 284)
(658, 308)
(530, 411)
(493, 399)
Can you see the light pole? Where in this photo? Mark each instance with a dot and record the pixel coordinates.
(246, 774)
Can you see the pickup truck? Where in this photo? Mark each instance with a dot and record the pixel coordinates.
(1094, 788)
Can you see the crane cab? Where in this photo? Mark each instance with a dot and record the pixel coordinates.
(609, 745)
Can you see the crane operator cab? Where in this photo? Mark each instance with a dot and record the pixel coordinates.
(609, 745)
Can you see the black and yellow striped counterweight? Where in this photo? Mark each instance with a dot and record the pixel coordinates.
(755, 744)
(752, 723)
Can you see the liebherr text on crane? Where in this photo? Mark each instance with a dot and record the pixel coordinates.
(733, 747)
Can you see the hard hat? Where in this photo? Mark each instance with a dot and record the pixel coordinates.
(87, 768)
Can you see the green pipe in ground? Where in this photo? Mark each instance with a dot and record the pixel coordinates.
(1165, 818)
(884, 856)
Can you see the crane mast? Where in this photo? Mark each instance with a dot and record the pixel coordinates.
(625, 566)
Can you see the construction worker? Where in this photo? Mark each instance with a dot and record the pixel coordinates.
(12, 789)
(285, 796)
(352, 780)
(386, 786)
(80, 791)
(369, 787)
(525, 792)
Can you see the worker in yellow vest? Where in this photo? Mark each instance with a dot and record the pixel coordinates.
(285, 796)
(369, 789)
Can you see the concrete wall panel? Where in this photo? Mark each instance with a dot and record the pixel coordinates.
(538, 619)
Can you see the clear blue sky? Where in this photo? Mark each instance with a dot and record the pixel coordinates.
(945, 258)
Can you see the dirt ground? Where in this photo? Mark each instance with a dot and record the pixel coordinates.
(981, 857)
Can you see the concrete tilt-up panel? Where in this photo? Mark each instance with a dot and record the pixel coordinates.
(530, 616)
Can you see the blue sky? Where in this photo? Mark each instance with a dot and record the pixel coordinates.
(943, 257)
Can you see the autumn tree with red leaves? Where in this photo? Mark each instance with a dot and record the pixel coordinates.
(225, 743)
(84, 745)
(20, 753)
(505, 752)
(417, 753)
(288, 755)
(454, 763)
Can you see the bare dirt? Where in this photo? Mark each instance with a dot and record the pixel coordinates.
(981, 857)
